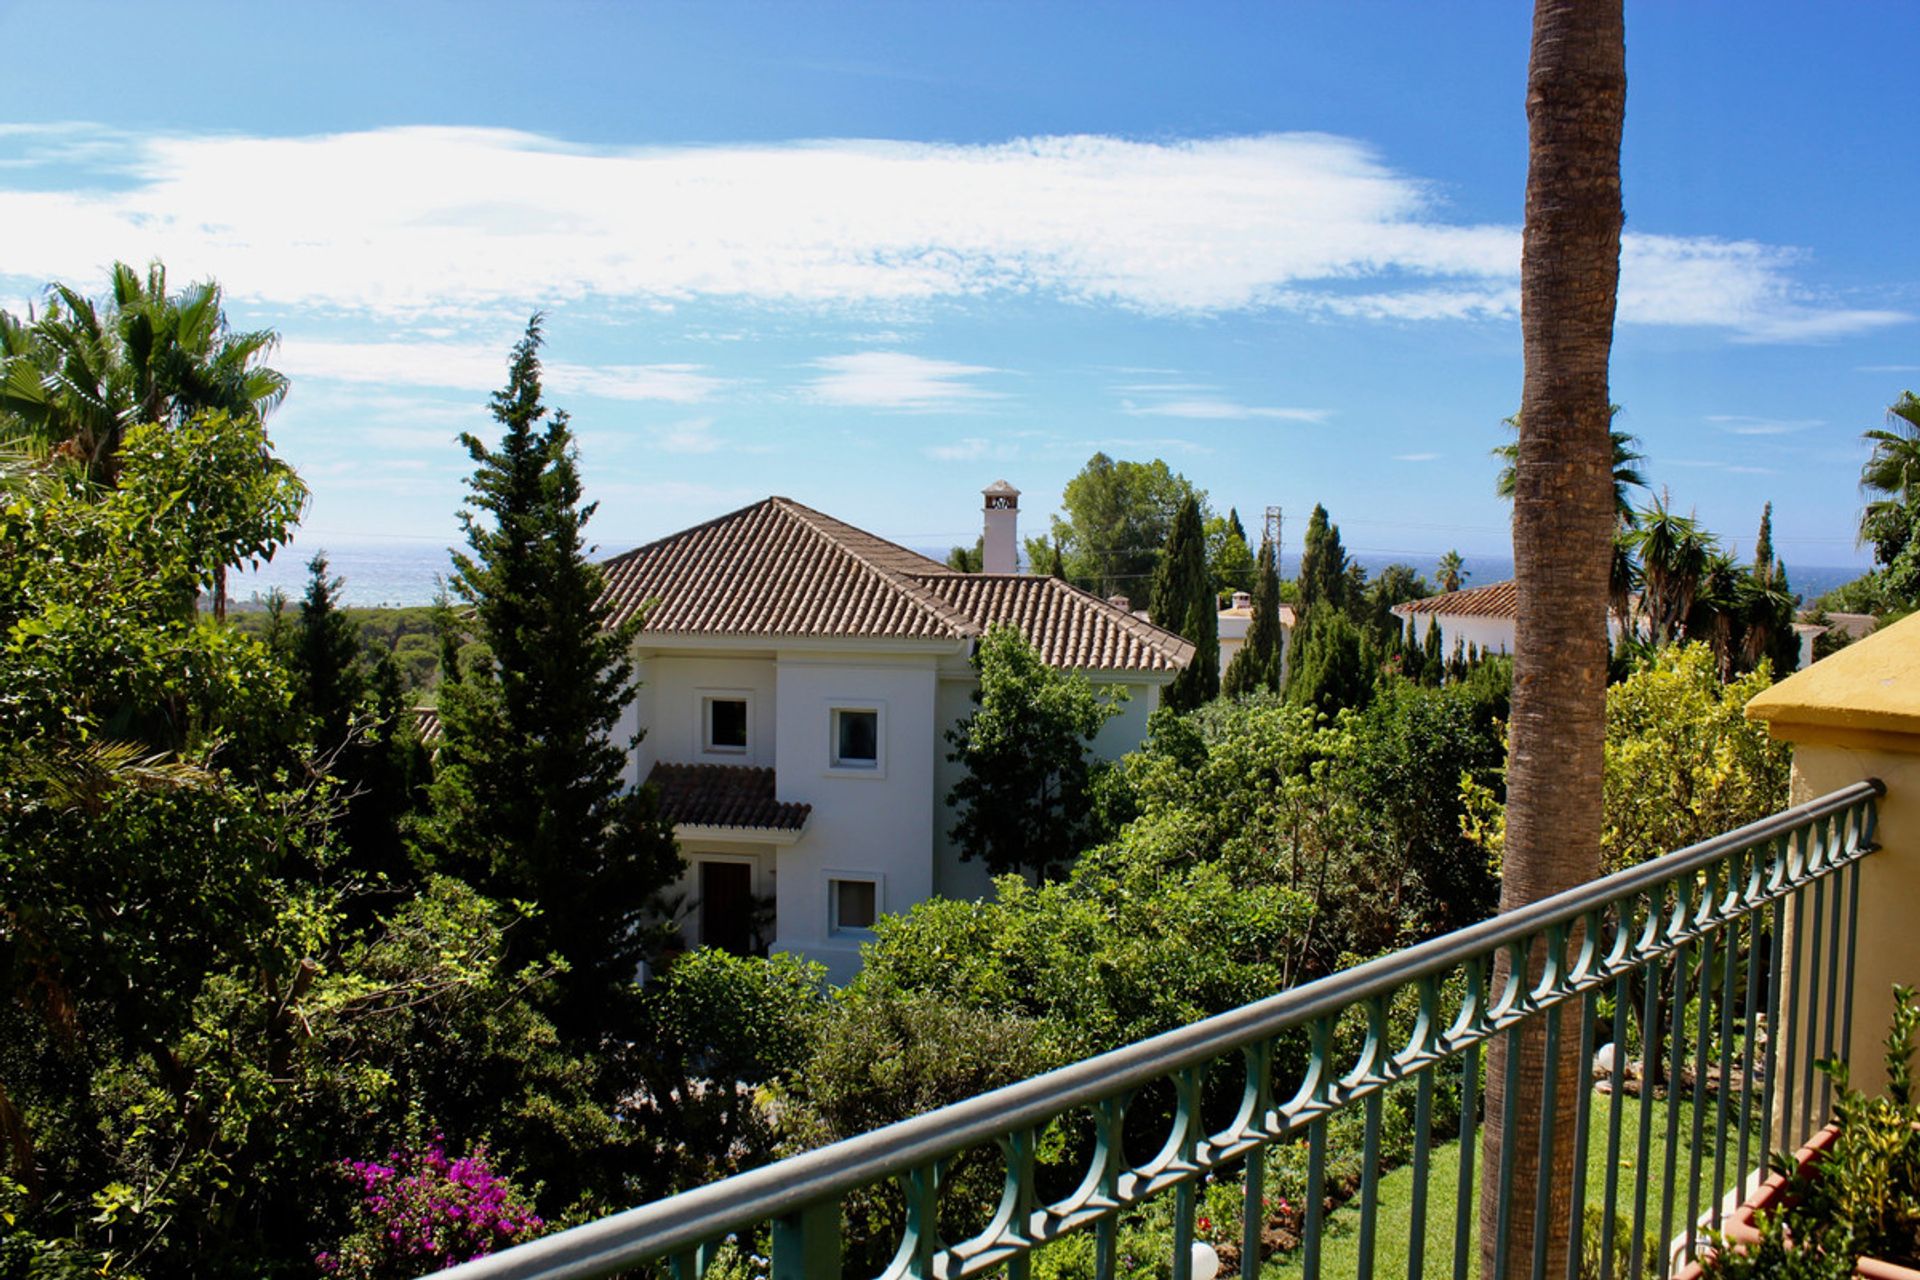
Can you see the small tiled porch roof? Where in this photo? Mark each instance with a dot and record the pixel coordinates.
(724, 795)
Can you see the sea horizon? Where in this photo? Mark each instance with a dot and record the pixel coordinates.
(393, 574)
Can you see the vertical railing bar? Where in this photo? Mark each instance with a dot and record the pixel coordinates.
(1469, 1152)
(806, 1244)
(1183, 1230)
(1109, 1114)
(1703, 1024)
(1807, 1123)
(1503, 1215)
(1730, 947)
(1253, 1203)
(1776, 936)
(1020, 1152)
(1616, 1087)
(1582, 1120)
(1833, 981)
(1649, 1059)
(1422, 1139)
(1316, 1195)
(1549, 1112)
(685, 1265)
(1790, 1023)
(1853, 938)
(1370, 1181)
(1676, 1060)
(1750, 1021)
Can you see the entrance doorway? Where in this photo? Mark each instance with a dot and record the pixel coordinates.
(726, 906)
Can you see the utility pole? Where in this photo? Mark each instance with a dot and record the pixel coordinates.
(1271, 533)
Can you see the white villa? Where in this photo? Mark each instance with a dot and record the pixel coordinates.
(799, 679)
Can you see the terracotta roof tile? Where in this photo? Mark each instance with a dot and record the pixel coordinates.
(780, 569)
(1495, 600)
(1070, 627)
(723, 795)
(426, 720)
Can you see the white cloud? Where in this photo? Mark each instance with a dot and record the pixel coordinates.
(967, 450)
(1415, 457)
(1889, 368)
(1741, 424)
(482, 368)
(1210, 409)
(896, 380)
(692, 435)
(469, 223)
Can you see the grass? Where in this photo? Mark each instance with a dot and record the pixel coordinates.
(1339, 1253)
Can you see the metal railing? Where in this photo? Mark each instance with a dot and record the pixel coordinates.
(1687, 955)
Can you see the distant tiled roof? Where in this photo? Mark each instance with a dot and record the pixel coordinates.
(427, 721)
(724, 795)
(1495, 600)
(780, 569)
(1070, 627)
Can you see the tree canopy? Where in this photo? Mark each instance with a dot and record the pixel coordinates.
(1118, 517)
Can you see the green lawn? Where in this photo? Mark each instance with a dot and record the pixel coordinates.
(1340, 1244)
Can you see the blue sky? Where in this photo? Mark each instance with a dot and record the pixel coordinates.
(874, 257)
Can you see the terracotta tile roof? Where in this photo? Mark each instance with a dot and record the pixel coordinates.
(777, 568)
(1495, 600)
(1070, 627)
(780, 569)
(724, 795)
(427, 721)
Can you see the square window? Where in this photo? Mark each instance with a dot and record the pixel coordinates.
(853, 904)
(726, 724)
(856, 738)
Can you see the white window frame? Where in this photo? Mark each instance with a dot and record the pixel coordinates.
(877, 768)
(704, 700)
(834, 880)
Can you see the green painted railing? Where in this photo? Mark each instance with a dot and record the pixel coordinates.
(1683, 955)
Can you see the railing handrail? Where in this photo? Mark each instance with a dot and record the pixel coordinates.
(689, 1219)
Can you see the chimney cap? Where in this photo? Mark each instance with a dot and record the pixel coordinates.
(1120, 602)
(1243, 600)
(1001, 487)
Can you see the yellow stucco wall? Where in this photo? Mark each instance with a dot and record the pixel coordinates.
(1851, 716)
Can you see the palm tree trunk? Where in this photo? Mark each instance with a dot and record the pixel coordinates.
(1563, 522)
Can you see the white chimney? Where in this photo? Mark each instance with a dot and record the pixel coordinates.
(1000, 540)
(1242, 600)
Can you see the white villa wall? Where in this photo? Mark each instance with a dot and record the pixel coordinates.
(676, 686)
(1493, 635)
(876, 822)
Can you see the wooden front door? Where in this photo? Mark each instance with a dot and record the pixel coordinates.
(726, 906)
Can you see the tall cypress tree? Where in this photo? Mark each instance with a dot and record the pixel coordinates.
(1323, 563)
(1183, 601)
(326, 659)
(1763, 561)
(528, 795)
(1256, 667)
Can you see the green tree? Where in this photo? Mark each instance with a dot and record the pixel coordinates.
(967, 559)
(1323, 563)
(1230, 562)
(1023, 804)
(1891, 479)
(1683, 763)
(527, 797)
(1118, 518)
(1333, 663)
(1256, 668)
(1183, 601)
(1627, 475)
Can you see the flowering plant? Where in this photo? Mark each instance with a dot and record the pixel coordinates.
(421, 1210)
